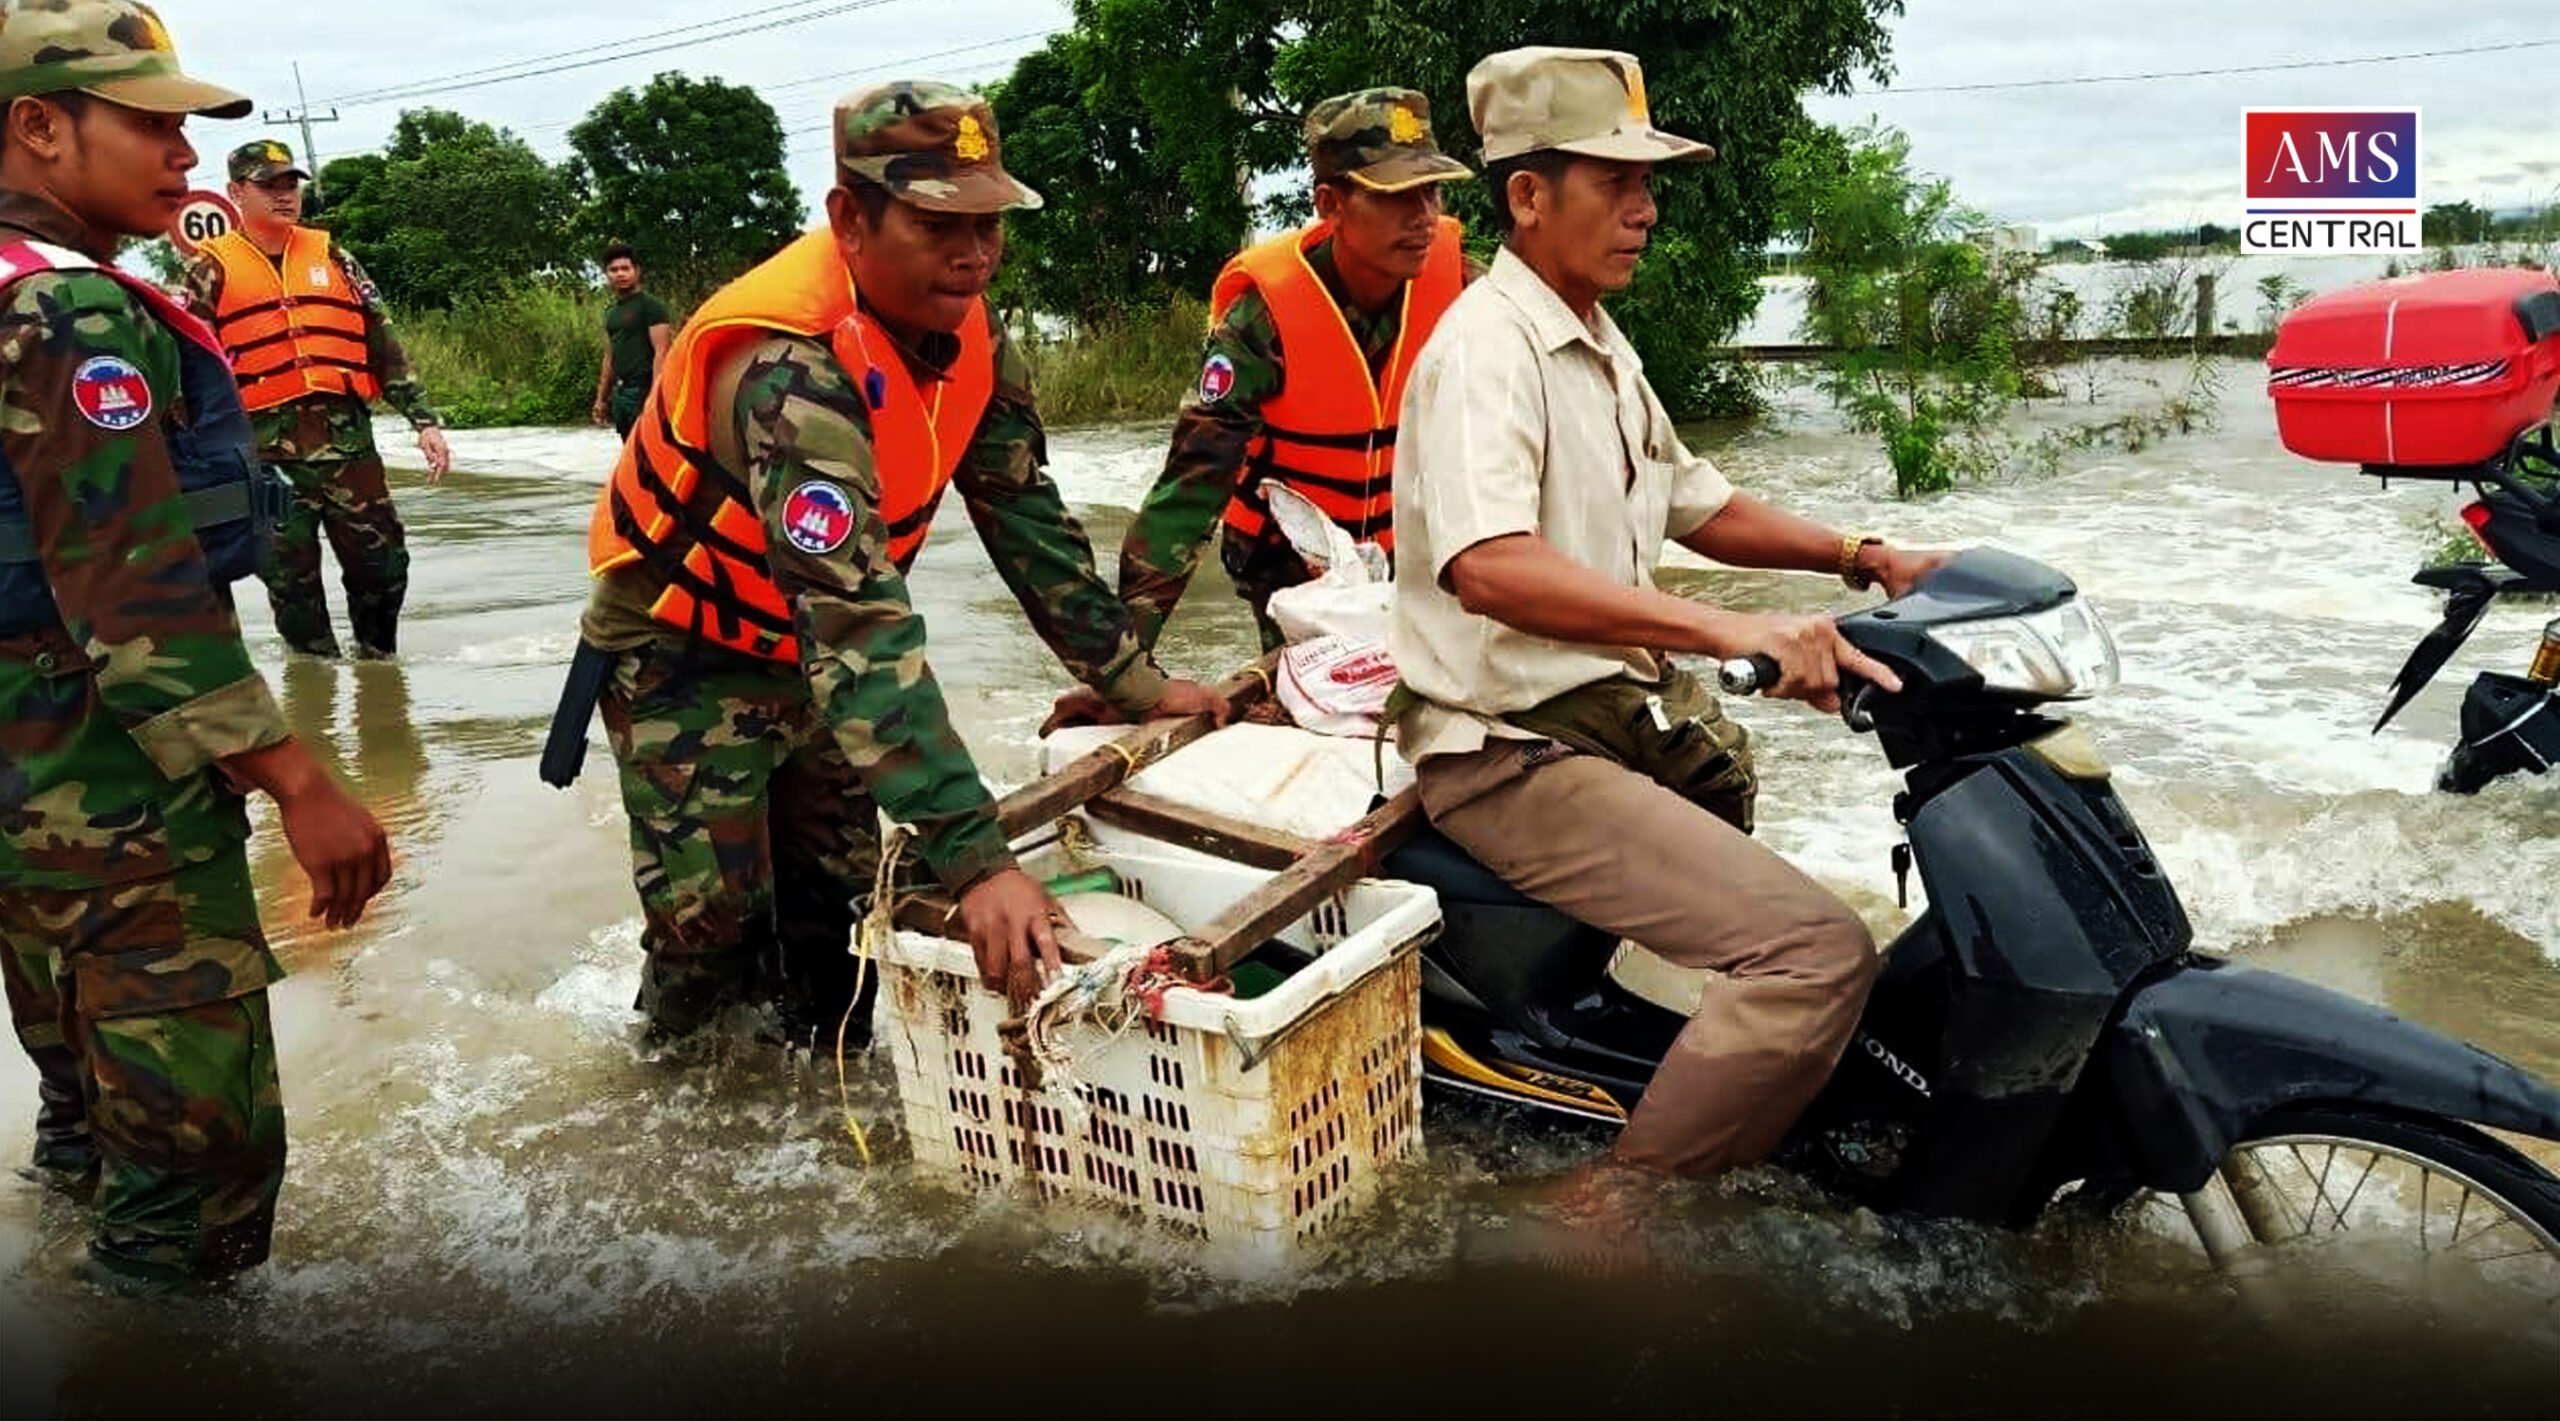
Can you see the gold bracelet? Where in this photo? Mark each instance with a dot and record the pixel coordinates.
(1850, 576)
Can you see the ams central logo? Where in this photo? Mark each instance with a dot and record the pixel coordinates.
(2331, 180)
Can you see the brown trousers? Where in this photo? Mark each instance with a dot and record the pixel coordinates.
(1620, 852)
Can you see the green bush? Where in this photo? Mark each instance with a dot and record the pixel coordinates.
(528, 355)
(1132, 367)
(521, 355)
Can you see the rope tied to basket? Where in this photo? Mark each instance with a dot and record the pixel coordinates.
(1112, 993)
(876, 930)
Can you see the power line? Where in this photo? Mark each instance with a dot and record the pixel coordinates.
(424, 90)
(367, 95)
(557, 125)
(2208, 73)
(827, 124)
(303, 116)
(910, 59)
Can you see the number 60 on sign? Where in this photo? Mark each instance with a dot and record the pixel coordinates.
(205, 215)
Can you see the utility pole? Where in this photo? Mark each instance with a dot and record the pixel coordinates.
(302, 115)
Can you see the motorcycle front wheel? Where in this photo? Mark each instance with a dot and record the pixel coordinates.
(2417, 1202)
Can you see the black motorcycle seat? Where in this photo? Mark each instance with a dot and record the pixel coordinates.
(1432, 860)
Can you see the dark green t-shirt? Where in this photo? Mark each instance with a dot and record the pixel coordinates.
(626, 332)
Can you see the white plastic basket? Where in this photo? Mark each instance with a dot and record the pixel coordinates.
(1253, 1125)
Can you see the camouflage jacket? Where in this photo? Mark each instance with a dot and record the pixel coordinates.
(799, 418)
(1212, 436)
(283, 437)
(107, 780)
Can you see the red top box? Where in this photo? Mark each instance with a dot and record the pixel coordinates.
(2435, 370)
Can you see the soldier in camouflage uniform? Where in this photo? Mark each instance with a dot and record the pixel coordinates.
(323, 442)
(753, 763)
(131, 718)
(1377, 174)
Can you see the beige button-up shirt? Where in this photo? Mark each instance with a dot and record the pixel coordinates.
(1521, 418)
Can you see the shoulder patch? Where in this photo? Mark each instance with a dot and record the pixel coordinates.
(111, 393)
(817, 517)
(1217, 378)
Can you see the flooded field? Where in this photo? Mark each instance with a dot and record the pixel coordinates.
(495, 1206)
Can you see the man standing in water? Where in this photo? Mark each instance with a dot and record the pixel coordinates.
(312, 346)
(1311, 336)
(131, 719)
(768, 691)
(636, 335)
(1538, 478)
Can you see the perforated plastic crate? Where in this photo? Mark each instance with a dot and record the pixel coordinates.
(1251, 1125)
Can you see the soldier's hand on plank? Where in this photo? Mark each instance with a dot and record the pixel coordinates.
(1011, 922)
(1081, 706)
(1183, 697)
(335, 839)
(439, 454)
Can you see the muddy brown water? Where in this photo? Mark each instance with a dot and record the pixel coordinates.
(495, 1206)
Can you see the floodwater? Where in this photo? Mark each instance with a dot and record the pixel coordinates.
(495, 1206)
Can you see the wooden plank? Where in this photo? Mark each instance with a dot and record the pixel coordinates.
(1104, 768)
(931, 912)
(1202, 829)
(1296, 890)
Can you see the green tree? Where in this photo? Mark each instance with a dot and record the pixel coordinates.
(2139, 246)
(342, 181)
(2455, 223)
(1120, 233)
(689, 172)
(451, 209)
(2278, 294)
(160, 257)
(1926, 319)
(1224, 83)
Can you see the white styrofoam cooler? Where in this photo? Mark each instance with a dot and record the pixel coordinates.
(1249, 1124)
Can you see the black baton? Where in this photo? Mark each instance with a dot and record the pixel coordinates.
(564, 751)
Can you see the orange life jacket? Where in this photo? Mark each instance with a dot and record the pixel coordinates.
(292, 329)
(672, 509)
(1330, 433)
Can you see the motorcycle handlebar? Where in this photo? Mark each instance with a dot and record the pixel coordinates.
(1748, 675)
(1758, 673)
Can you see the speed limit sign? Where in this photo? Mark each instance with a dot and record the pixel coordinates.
(205, 215)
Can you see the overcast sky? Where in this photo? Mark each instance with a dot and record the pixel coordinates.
(2072, 160)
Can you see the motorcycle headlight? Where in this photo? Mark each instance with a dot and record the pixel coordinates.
(2062, 653)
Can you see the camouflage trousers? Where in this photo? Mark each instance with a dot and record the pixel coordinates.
(344, 495)
(751, 838)
(155, 1068)
(1259, 567)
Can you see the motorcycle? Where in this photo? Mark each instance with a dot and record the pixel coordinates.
(2043, 1029)
(2509, 723)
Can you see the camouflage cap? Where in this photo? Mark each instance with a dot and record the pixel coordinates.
(116, 50)
(1586, 101)
(1380, 139)
(264, 158)
(929, 144)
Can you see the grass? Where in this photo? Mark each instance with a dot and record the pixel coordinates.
(528, 355)
(1129, 368)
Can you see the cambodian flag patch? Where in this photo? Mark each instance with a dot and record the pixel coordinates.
(1217, 377)
(818, 517)
(111, 393)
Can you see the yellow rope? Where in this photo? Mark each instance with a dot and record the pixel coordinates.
(876, 931)
(1128, 758)
(1075, 840)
